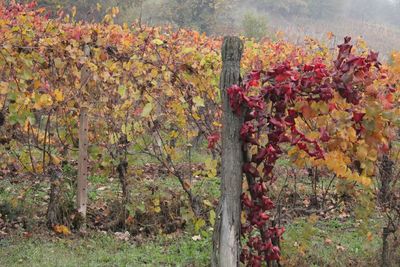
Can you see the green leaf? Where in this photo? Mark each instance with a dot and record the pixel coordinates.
(198, 101)
(26, 75)
(157, 42)
(141, 207)
(373, 110)
(199, 224)
(122, 90)
(389, 115)
(212, 217)
(147, 110)
(369, 125)
(113, 138)
(188, 50)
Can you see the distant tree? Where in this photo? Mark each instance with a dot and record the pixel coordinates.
(190, 13)
(322, 9)
(282, 7)
(254, 26)
(199, 14)
(89, 10)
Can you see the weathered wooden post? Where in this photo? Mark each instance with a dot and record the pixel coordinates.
(386, 179)
(226, 241)
(81, 196)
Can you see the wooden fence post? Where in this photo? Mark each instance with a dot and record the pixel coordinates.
(81, 194)
(81, 198)
(226, 240)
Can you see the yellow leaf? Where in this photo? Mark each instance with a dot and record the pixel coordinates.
(313, 219)
(343, 146)
(153, 73)
(59, 63)
(14, 202)
(36, 84)
(3, 88)
(211, 167)
(217, 124)
(365, 181)
(73, 11)
(173, 134)
(293, 150)
(115, 11)
(58, 95)
(113, 138)
(362, 152)
(372, 155)
(352, 135)
(243, 217)
(156, 202)
(335, 162)
(313, 135)
(208, 203)
(157, 209)
(61, 229)
(56, 160)
(44, 101)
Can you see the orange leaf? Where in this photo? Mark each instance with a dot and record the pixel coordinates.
(62, 229)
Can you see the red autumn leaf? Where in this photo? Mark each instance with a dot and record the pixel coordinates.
(263, 216)
(255, 75)
(275, 254)
(324, 135)
(253, 83)
(358, 116)
(267, 202)
(276, 122)
(282, 77)
(332, 106)
(260, 156)
(213, 140)
(248, 168)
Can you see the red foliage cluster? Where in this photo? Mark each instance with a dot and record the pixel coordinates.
(353, 72)
(12, 10)
(282, 87)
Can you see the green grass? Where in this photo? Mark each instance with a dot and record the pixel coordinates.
(323, 243)
(331, 243)
(105, 250)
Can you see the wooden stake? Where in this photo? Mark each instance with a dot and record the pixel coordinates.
(226, 239)
(81, 198)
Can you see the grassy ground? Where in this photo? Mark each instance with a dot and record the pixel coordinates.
(104, 250)
(331, 243)
(320, 243)
(332, 240)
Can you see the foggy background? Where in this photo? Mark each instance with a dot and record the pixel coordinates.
(377, 21)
